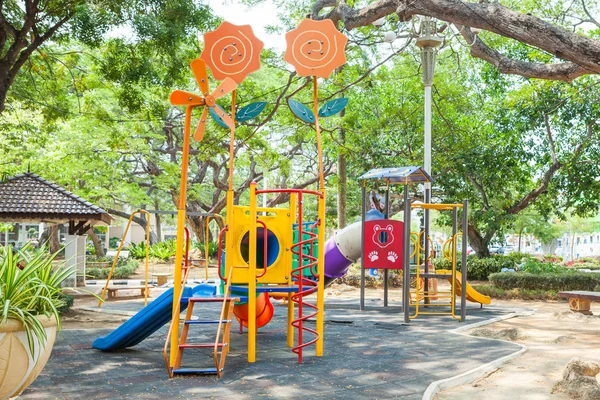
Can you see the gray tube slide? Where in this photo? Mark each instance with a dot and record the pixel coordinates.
(343, 249)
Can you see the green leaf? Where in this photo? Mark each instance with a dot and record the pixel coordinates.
(213, 113)
(250, 111)
(301, 111)
(333, 107)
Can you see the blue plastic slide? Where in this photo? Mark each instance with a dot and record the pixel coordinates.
(150, 319)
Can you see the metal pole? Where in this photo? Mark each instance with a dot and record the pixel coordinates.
(362, 246)
(426, 244)
(463, 293)
(453, 250)
(428, 41)
(406, 256)
(385, 271)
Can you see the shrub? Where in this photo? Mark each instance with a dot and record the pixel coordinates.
(67, 301)
(122, 271)
(518, 256)
(163, 250)
(113, 242)
(213, 248)
(522, 294)
(481, 268)
(537, 267)
(137, 251)
(553, 258)
(545, 281)
(586, 265)
(442, 263)
(588, 260)
(477, 268)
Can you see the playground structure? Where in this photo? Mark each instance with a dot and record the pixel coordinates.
(232, 52)
(275, 251)
(387, 244)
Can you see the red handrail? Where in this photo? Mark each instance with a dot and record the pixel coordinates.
(220, 251)
(265, 239)
(298, 297)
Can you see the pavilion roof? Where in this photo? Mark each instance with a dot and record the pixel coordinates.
(29, 197)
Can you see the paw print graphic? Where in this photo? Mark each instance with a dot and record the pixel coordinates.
(373, 256)
(392, 256)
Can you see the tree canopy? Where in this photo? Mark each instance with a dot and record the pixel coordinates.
(87, 106)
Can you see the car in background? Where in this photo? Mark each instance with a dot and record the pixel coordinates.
(496, 250)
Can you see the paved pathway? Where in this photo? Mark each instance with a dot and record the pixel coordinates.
(368, 355)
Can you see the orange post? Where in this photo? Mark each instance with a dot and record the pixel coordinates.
(177, 281)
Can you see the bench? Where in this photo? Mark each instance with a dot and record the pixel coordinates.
(579, 301)
(113, 290)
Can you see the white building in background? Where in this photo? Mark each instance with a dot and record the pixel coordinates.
(578, 245)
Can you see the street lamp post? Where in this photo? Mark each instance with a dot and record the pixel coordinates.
(428, 41)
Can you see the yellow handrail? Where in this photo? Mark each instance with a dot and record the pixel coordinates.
(114, 264)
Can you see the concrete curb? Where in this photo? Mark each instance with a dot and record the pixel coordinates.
(483, 370)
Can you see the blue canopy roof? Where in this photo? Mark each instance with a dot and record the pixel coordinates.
(400, 175)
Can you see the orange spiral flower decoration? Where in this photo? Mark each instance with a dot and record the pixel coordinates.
(232, 51)
(315, 48)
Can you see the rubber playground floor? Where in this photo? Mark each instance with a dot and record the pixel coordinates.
(368, 355)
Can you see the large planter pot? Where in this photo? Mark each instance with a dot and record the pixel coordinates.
(18, 367)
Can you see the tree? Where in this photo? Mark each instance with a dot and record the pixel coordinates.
(26, 26)
(581, 54)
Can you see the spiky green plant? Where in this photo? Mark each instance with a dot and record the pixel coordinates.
(30, 286)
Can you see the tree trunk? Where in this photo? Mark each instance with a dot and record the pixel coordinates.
(342, 179)
(158, 222)
(97, 244)
(50, 237)
(198, 227)
(478, 243)
(520, 234)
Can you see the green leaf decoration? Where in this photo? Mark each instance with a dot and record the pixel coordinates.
(213, 113)
(301, 111)
(333, 107)
(250, 111)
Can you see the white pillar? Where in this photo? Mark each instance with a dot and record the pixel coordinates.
(71, 260)
(80, 260)
(75, 258)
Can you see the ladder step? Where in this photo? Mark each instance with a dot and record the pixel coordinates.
(194, 371)
(210, 299)
(201, 345)
(205, 322)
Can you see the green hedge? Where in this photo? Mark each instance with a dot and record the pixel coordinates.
(521, 294)
(545, 281)
(478, 268)
(586, 265)
(123, 271)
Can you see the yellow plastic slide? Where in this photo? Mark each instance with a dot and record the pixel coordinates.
(472, 294)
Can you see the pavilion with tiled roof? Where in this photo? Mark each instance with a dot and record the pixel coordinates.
(30, 198)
